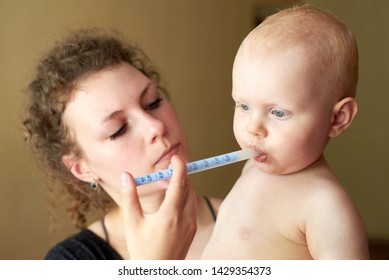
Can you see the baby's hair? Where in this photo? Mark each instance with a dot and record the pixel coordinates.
(330, 42)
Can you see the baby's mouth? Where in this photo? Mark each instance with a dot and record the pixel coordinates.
(261, 157)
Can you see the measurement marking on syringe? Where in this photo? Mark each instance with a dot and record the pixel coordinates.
(198, 166)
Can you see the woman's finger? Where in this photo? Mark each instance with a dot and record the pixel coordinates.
(177, 190)
(131, 208)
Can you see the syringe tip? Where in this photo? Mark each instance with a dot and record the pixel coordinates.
(247, 153)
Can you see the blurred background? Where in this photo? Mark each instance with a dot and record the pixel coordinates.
(193, 44)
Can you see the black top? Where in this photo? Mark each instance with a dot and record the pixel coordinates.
(86, 245)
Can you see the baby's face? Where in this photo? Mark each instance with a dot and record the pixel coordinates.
(281, 109)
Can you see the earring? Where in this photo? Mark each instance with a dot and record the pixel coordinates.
(94, 185)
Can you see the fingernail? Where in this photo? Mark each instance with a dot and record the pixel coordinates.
(124, 179)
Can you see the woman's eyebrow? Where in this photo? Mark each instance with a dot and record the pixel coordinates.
(144, 91)
(118, 112)
(112, 116)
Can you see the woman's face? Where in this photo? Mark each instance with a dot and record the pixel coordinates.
(122, 122)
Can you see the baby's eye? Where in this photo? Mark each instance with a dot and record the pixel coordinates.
(244, 107)
(279, 113)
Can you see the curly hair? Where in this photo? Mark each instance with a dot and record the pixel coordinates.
(57, 74)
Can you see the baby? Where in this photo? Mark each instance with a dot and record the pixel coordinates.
(294, 83)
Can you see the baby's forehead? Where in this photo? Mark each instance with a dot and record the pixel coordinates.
(285, 37)
(259, 49)
(311, 42)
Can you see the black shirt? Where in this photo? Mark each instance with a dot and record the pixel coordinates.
(84, 245)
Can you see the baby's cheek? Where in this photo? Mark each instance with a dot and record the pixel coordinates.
(239, 139)
(238, 130)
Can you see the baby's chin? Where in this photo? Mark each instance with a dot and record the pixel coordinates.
(274, 169)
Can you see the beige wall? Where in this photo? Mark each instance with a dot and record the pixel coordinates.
(193, 42)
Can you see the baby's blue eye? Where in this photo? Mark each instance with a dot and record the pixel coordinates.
(244, 107)
(282, 114)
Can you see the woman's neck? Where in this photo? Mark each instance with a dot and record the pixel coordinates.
(151, 199)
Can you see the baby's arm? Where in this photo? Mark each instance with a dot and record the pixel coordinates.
(334, 229)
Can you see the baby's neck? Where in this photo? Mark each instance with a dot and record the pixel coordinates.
(321, 162)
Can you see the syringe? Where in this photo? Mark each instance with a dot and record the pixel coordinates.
(199, 165)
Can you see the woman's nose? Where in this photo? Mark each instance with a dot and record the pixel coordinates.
(257, 127)
(154, 128)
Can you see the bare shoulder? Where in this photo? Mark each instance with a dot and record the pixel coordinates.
(215, 202)
(329, 195)
(329, 199)
(333, 225)
(207, 206)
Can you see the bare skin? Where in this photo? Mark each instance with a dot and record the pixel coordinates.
(288, 203)
(295, 216)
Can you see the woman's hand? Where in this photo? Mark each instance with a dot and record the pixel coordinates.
(167, 233)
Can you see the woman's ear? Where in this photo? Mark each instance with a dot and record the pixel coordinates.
(343, 114)
(78, 168)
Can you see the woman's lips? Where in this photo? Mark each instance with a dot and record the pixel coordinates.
(167, 154)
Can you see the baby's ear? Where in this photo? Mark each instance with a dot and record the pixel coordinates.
(343, 114)
(77, 167)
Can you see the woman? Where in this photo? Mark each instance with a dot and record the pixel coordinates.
(97, 117)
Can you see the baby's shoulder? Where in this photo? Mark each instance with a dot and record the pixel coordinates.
(326, 190)
(329, 200)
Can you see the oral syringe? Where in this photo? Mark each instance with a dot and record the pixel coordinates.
(199, 165)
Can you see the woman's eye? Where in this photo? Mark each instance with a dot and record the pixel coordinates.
(281, 114)
(155, 104)
(119, 132)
